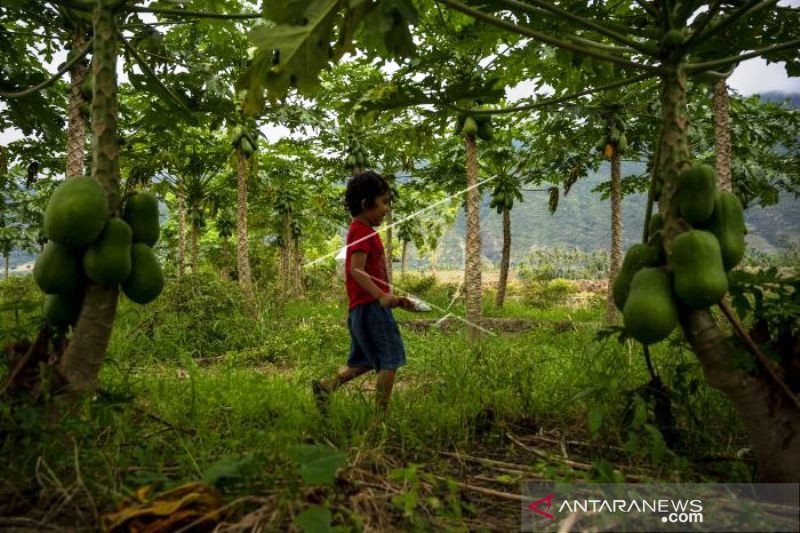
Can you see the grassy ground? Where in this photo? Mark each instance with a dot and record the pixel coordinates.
(194, 389)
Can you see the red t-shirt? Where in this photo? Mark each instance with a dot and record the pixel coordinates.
(365, 240)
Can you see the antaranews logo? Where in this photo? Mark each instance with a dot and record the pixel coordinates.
(535, 506)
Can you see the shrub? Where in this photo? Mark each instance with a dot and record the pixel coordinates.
(547, 293)
(416, 284)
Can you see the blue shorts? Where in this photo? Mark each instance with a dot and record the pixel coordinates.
(374, 338)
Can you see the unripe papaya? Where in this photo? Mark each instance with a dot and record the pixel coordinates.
(87, 86)
(650, 313)
(656, 223)
(62, 310)
(486, 131)
(141, 214)
(637, 257)
(727, 225)
(700, 279)
(107, 261)
(146, 280)
(76, 213)
(470, 127)
(57, 269)
(696, 188)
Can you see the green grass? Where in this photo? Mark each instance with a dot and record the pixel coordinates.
(205, 391)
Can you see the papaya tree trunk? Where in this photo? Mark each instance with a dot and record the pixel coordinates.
(83, 358)
(181, 209)
(242, 253)
(616, 234)
(403, 257)
(7, 259)
(195, 248)
(297, 266)
(286, 243)
(226, 258)
(722, 136)
(770, 417)
(472, 259)
(76, 130)
(505, 259)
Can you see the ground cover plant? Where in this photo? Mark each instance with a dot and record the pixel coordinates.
(158, 374)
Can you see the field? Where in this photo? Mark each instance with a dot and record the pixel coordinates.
(196, 390)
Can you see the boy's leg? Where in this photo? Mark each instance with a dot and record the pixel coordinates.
(343, 376)
(383, 390)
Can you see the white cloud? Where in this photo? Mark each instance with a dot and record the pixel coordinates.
(755, 76)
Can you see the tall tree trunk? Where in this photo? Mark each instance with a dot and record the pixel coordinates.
(7, 258)
(616, 234)
(297, 266)
(722, 136)
(472, 256)
(195, 248)
(226, 258)
(181, 208)
(389, 247)
(284, 272)
(76, 131)
(242, 253)
(403, 256)
(770, 418)
(84, 356)
(504, 259)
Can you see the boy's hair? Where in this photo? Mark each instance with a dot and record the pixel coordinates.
(363, 188)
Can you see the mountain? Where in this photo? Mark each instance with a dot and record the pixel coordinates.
(583, 221)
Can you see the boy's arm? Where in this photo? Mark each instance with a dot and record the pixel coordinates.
(358, 263)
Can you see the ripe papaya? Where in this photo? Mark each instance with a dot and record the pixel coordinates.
(696, 188)
(141, 214)
(650, 313)
(700, 279)
(76, 212)
(608, 151)
(62, 310)
(636, 258)
(470, 127)
(727, 225)
(107, 261)
(146, 279)
(57, 269)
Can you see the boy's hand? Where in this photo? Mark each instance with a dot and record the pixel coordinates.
(389, 300)
(405, 303)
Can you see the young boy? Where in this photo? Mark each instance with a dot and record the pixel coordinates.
(375, 342)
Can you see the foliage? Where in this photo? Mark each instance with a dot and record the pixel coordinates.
(569, 263)
(547, 293)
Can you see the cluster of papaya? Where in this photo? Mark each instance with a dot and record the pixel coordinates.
(503, 198)
(86, 245)
(244, 141)
(613, 141)
(87, 88)
(472, 125)
(648, 294)
(356, 157)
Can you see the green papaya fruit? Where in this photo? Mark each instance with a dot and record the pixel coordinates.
(482, 119)
(76, 212)
(486, 131)
(351, 160)
(696, 192)
(87, 87)
(245, 146)
(700, 279)
(656, 223)
(146, 279)
(470, 127)
(636, 258)
(141, 214)
(622, 143)
(727, 225)
(650, 313)
(107, 261)
(62, 310)
(57, 269)
(672, 39)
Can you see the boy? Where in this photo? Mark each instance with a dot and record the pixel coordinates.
(375, 342)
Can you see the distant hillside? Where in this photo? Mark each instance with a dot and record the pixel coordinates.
(583, 221)
(779, 96)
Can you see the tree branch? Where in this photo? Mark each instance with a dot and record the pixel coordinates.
(521, 30)
(701, 24)
(149, 72)
(194, 14)
(751, 7)
(553, 101)
(564, 14)
(68, 65)
(653, 12)
(693, 68)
